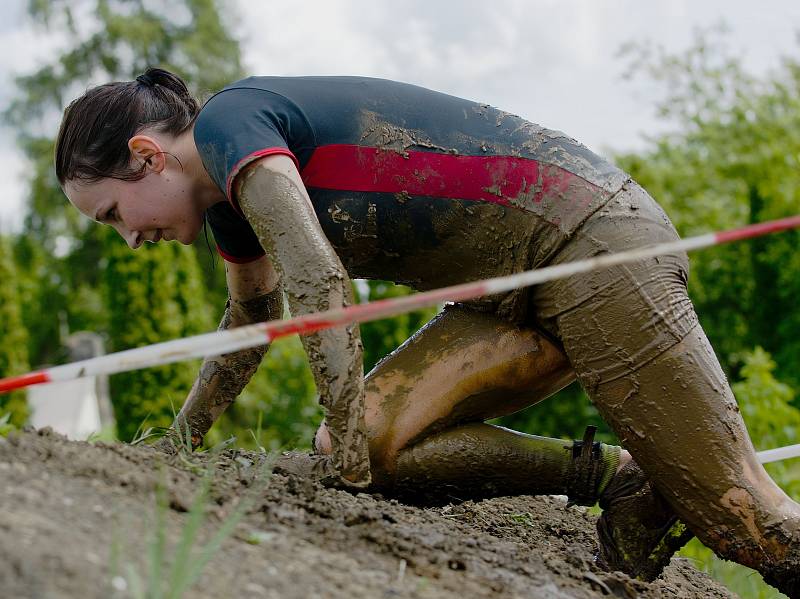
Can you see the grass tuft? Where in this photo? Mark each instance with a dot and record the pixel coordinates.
(5, 425)
(165, 578)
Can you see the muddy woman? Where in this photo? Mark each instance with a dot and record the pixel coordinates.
(309, 181)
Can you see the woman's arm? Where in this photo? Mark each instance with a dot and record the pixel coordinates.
(254, 295)
(275, 202)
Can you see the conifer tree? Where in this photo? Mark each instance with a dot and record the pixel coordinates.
(13, 349)
(154, 294)
(61, 251)
(64, 256)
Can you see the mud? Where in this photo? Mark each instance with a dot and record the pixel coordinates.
(485, 129)
(638, 350)
(638, 532)
(428, 242)
(479, 461)
(277, 207)
(388, 136)
(63, 505)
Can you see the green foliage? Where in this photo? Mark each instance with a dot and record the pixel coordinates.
(13, 336)
(153, 294)
(742, 581)
(381, 337)
(732, 160)
(63, 257)
(281, 397)
(772, 422)
(5, 425)
(771, 418)
(279, 407)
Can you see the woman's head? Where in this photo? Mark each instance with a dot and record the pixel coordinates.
(117, 157)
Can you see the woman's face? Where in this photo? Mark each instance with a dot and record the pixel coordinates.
(158, 206)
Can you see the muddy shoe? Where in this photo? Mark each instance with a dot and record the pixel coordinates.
(785, 578)
(638, 532)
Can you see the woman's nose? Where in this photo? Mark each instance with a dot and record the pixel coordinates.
(133, 238)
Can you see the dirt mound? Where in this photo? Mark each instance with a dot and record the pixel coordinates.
(80, 520)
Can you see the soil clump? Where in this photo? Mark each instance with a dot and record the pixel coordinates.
(68, 508)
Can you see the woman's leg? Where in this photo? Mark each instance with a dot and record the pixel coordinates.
(427, 400)
(633, 337)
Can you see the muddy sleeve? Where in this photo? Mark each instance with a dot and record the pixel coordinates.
(277, 206)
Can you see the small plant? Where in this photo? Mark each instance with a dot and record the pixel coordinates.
(142, 433)
(257, 435)
(5, 425)
(173, 581)
(107, 434)
(523, 518)
(179, 435)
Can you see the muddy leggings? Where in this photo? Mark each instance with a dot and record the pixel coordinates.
(633, 338)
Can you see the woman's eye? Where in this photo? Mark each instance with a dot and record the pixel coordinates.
(111, 215)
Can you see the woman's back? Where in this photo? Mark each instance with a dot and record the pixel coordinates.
(409, 184)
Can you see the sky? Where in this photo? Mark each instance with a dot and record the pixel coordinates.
(554, 62)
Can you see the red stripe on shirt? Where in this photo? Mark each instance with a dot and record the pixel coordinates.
(505, 180)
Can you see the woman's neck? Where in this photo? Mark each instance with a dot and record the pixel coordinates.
(204, 190)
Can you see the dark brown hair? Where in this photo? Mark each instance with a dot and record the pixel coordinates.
(92, 142)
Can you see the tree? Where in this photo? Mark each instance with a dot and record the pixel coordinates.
(732, 160)
(153, 294)
(771, 419)
(65, 257)
(13, 349)
(112, 39)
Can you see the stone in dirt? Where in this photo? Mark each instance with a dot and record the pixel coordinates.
(64, 505)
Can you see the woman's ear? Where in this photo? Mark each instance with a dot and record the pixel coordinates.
(147, 152)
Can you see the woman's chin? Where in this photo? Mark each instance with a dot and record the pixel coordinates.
(187, 237)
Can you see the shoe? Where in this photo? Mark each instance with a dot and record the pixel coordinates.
(638, 532)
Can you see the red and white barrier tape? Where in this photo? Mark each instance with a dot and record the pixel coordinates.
(223, 342)
(231, 340)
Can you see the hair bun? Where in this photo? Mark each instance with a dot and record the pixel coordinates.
(146, 79)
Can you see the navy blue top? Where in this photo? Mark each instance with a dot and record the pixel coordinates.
(384, 163)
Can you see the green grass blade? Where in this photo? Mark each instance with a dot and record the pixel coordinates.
(157, 545)
(188, 535)
(134, 582)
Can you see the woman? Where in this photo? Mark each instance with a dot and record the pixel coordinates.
(308, 181)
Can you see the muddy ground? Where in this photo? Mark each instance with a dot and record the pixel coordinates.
(70, 510)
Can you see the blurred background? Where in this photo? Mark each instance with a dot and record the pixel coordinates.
(698, 101)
